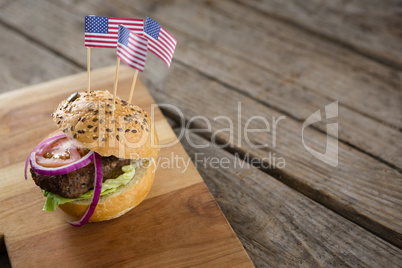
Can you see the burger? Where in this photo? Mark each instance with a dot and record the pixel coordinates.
(100, 163)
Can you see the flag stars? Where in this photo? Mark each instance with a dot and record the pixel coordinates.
(152, 28)
(103, 32)
(132, 48)
(96, 24)
(123, 35)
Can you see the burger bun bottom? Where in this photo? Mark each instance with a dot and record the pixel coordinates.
(119, 202)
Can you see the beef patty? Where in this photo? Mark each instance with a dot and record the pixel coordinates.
(78, 182)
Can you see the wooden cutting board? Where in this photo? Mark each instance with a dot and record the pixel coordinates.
(179, 224)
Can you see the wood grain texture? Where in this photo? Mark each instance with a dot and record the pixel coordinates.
(360, 188)
(278, 226)
(41, 66)
(322, 67)
(279, 90)
(178, 229)
(369, 27)
(287, 96)
(231, 51)
(178, 225)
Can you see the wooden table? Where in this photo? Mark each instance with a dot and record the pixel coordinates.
(244, 65)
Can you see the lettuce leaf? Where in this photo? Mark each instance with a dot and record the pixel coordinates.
(108, 186)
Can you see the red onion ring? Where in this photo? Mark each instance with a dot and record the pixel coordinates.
(63, 169)
(40, 145)
(97, 191)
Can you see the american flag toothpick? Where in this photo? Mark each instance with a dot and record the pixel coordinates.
(103, 32)
(132, 49)
(132, 38)
(160, 41)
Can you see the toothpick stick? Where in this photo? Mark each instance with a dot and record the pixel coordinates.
(116, 78)
(88, 70)
(133, 86)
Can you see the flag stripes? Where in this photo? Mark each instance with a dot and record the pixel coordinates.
(103, 31)
(132, 48)
(160, 41)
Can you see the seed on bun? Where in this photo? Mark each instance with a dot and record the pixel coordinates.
(111, 131)
(127, 132)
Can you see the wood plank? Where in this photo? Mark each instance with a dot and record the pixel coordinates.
(360, 188)
(278, 226)
(286, 96)
(175, 244)
(66, 37)
(273, 88)
(16, 71)
(370, 27)
(321, 66)
(150, 235)
(219, 15)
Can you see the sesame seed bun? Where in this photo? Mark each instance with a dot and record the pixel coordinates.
(128, 132)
